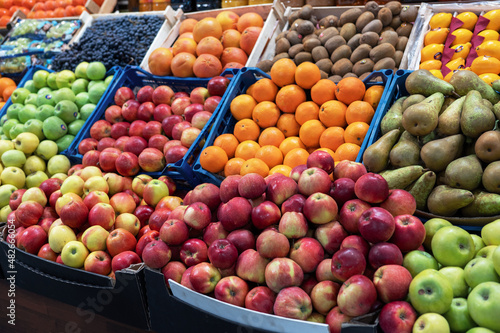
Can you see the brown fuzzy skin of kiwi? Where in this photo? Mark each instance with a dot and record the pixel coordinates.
(293, 17)
(294, 50)
(305, 28)
(364, 76)
(325, 65)
(306, 38)
(343, 51)
(327, 34)
(342, 67)
(408, 13)
(282, 45)
(363, 66)
(349, 16)
(401, 45)
(303, 57)
(280, 56)
(318, 53)
(354, 41)
(394, 6)
(328, 21)
(335, 78)
(385, 63)
(324, 75)
(385, 16)
(348, 31)
(310, 44)
(361, 52)
(390, 37)
(405, 29)
(305, 12)
(349, 75)
(265, 65)
(398, 56)
(396, 22)
(388, 28)
(281, 35)
(295, 24)
(363, 20)
(294, 37)
(375, 26)
(373, 7)
(333, 43)
(371, 38)
(381, 51)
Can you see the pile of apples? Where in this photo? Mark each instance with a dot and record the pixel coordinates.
(144, 131)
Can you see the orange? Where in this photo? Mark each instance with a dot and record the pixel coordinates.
(288, 125)
(359, 111)
(332, 138)
(296, 157)
(246, 149)
(228, 142)
(283, 169)
(306, 111)
(323, 91)
(373, 95)
(290, 143)
(332, 113)
(264, 90)
(266, 114)
(283, 72)
(242, 106)
(307, 75)
(254, 165)
(271, 155)
(347, 151)
(233, 166)
(7, 92)
(213, 159)
(310, 132)
(246, 129)
(271, 136)
(6, 82)
(350, 89)
(290, 97)
(356, 132)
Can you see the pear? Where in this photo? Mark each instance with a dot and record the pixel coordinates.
(496, 85)
(437, 154)
(488, 104)
(465, 81)
(484, 204)
(422, 118)
(487, 146)
(392, 119)
(476, 118)
(446, 201)
(496, 110)
(406, 152)
(447, 102)
(411, 100)
(490, 179)
(449, 119)
(376, 156)
(423, 82)
(402, 177)
(427, 138)
(464, 172)
(422, 187)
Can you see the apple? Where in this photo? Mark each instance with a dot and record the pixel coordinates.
(139, 182)
(235, 214)
(376, 225)
(145, 239)
(185, 279)
(431, 227)
(191, 110)
(321, 159)
(154, 191)
(495, 257)
(280, 188)
(229, 188)
(143, 213)
(342, 190)
(74, 253)
(431, 322)
(178, 212)
(169, 122)
(200, 119)
(452, 246)
(324, 271)
(251, 186)
(28, 213)
(86, 145)
(260, 299)
(307, 252)
(349, 169)
(94, 238)
(46, 252)
(193, 251)
(217, 85)
(113, 114)
(478, 243)
(16, 198)
(458, 316)
(397, 317)
(283, 272)
(157, 141)
(45, 223)
(242, 239)
(128, 222)
(106, 143)
(156, 254)
(324, 296)
(293, 204)
(430, 291)
(297, 171)
(384, 254)
(293, 302)
(251, 266)
(489, 233)
(204, 277)
(161, 111)
(265, 214)
(197, 215)
(456, 276)
(417, 261)
(293, 225)
(335, 318)
(350, 213)
(392, 283)
(122, 95)
(271, 244)
(372, 188)
(211, 103)
(357, 242)
(222, 254)
(232, 290)
(320, 208)
(50, 185)
(124, 259)
(357, 296)
(330, 236)
(347, 262)
(74, 214)
(173, 271)
(98, 262)
(174, 232)
(480, 270)
(179, 105)
(158, 218)
(120, 240)
(145, 111)
(484, 306)
(91, 158)
(314, 180)
(409, 232)
(32, 239)
(399, 202)
(208, 194)
(136, 128)
(162, 95)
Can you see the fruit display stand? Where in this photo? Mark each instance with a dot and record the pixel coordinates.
(135, 78)
(225, 121)
(273, 16)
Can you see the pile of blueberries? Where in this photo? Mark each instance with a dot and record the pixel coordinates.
(114, 42)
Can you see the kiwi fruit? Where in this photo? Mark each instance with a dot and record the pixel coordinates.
(350, 16)
(317, 32)
(364, 76)
(305, 38)
(328, 21)
(293, 37)
(364, 19)
(342, 67)
(385, 63)
(314, 20)
(381, 51)
(401, 44)
(305, 28)
(404, 29)
(325, 65)
(327, 34)
(294, 50)
(372, 6)
(361, 52)
(305, 12)
(394, 6)
(293, 16)
(396, 22)
(371, 38)
(280, 56)
(318, 53)
(281, 35)
(354, 41)
(296, 24)
(385, 16)
(390, 37)
(310, 44)
(335, 78)
(363, 66)
(265, 65)
(333, 43)
(398, 56)
(349, 75)
(324, 75)
(408, 13)
(282, 45)
(343, 51)
(302, 57)
(375, 26)
(348, 30)
(388, 28)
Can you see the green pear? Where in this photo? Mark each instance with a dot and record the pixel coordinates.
(422, 118)
(466, 81)
(484, 204)
(464, 172)
(424, 82)
(449, 119)
(476, 118)
(376, 156)
(422, 187)
(392, 119)
(402, 177)
(446, 201)
(406, 152)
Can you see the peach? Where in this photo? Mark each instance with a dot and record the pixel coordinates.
(231, 38)
(159, 61)
(184, 45)
(187, 25)
(182, 64)
(209, 26)
(249, 20)
(233, 54)
(249, 38)
(209, 45)
(207, 65)
(227, 19)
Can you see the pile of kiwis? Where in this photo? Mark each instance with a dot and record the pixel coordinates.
(358, 42)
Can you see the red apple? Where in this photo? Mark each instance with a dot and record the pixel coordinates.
(251, 186)
(175, 152)
(232, 290)
(174, 232)
(222, 253)
(213, 232)
(199, 95)
(50, 185)
(16, 198)
(217, 85)
(384, 254)
(74, 213)
(293, 204)
(376, 225)
(335, 318)
(321, 159)
(397, 317)
(271, 244)
(145, 94)
(46, 252)
(113, 114)
(135, 145)
(156, 254)
(122, 203)
(356, 242)
(158, 218)
(297, 171)
(191, 110)
(349, 169)
(185, 279)
(32, 239)
(409, 232)
(251, 266)
(179, 105)
(145, 111)
(392, 283)
(179, 128)
(347, 262)
(122, 95)
(283, 272)
(145, 239)
(330, 236)
(107, 159)
(157, 141)
(280, 188)
(211, 103)
(91, 158)
(127, 164)
(357, 296)
(45, 223)
(98, 262)
(229, 187)
(143, 213)
(169, 122)
(235, 214)
(324, 271)
(161, 111)
(124, 260)
(293, 225)
(194, 251)
(28, 213)
(265, 214)
(86, 145)
(100, 129)
(260, 299)
(106, 143)
(320, 208)
(162, 95)
(173, 271)
(350, 213)
(151, 160)
(342, 190)
(200, 119)
(307, 253)
(293, 302)
(243, 239)
(152, 128)
(136, 128)
(313, 180)
(204, 277)
(120, 240)
(120, 129)
(399, 202)
(372, 188)
(324, 296)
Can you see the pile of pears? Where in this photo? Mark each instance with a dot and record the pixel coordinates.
(441, 142)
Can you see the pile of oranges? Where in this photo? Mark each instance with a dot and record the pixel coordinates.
(7, 87)
(281, 120)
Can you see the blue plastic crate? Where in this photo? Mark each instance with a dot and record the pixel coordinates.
(135, 78)
(247, 76)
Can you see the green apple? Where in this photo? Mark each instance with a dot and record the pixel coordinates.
(45, 91)
(96, 92)
(19, 95)
(480, 270)
(64, 142)
(431, 226)
(94, 238)
(16, 130)
(80, 85)
(486, 252)
(51, 81)
(35, 194)
(58, 164)
(495, 258)
(154, 191)
(65, 79)
(26, 142)
(5, 192)
(31, 99)
(46, 149)
(458, 316)
(13, 111)
(66, 110)
(75, 126)
(35, 179)
(34, 126)
(431, 323)
(44, 111)
(86, 111)
(3, 119)
(27, 113)
(484, 305)
(45, 99)
(491, 233)
(456, 276)
(8, 125)
(93, 83)
(452, 246)
(108, 80)
(479, 330)
(81, 70)
(13, 176)
(96, 71)
(30, 85)
(478, 242)
(72, 184)
(40, 78)
(64, 94)
(60, 175)
(4, 213)
(34, 164)
(82, 99)
(5, 145)
(74, 254)
(416, 261)
(60, 236)
(430, 291)
(54, 128)
(15, 158)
